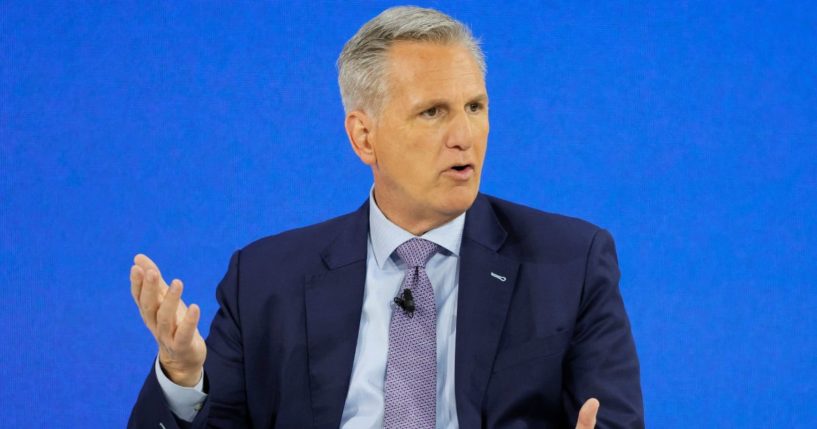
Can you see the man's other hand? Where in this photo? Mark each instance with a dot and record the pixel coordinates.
(587, 415)
(174, 326)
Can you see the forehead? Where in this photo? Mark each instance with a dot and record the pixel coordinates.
(428, 69)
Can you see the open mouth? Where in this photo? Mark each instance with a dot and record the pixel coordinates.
(461, 171)
(462, 167)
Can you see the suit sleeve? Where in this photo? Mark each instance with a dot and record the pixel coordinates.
(602, 362)
(225, 406)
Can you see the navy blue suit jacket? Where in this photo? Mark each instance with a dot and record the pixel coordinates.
(529, 350)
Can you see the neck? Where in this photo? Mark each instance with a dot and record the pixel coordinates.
(412, 220)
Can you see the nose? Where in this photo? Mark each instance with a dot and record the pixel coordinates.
(460, 132)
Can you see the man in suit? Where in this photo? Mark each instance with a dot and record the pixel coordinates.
(432, 305)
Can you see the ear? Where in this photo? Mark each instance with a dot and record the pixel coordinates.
(359, 130)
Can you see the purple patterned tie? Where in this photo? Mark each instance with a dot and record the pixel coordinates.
(411, 371)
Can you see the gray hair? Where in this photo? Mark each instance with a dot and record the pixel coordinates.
(362, 63)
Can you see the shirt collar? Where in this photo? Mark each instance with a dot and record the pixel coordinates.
(387, 236)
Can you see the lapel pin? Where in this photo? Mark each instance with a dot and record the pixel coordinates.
(498, 277)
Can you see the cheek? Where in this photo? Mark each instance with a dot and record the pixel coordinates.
(410, 155)
(483, 144)
(409, 163)
(419, 156)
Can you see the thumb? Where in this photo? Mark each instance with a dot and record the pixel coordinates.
(587, 415)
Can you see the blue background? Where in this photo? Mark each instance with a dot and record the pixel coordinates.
(185, 131)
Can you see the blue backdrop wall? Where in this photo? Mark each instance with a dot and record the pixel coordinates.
(688, 129)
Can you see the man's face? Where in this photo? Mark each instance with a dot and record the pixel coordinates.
(430, 137)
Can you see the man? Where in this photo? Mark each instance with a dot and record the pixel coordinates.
(430, 306)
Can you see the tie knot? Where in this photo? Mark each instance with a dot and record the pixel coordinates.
(416, 252)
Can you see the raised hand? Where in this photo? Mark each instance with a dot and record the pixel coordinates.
(587, 415)
(174, 325)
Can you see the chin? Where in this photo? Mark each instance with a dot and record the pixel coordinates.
(458, 200)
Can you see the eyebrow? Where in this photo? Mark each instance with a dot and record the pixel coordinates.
(482, 98)
(427, 104)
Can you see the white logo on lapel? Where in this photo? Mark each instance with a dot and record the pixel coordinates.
(498, 277)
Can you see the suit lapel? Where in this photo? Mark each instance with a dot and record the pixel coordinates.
(334, 301)
(486, 282)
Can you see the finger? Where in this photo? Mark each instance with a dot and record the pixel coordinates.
(587, 415)
(181, 309)
(187, 327)
(166, 315)
(146, 263)
(136, 277)
(151, 297)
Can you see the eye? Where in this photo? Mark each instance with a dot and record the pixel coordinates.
(474, 107)
(431, 113)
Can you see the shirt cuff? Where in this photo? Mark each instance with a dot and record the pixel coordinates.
(184, 402)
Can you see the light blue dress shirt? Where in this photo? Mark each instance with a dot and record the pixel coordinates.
(384, 275)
